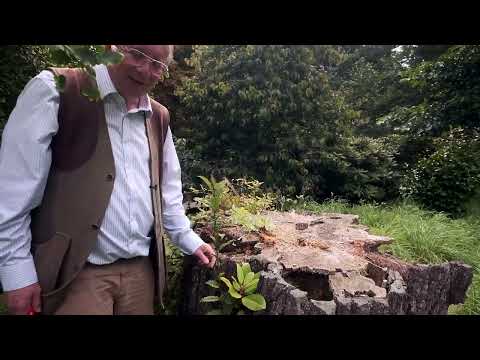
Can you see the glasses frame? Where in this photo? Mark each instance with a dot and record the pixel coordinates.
(146, 59)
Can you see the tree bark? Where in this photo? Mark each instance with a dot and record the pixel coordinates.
(328, 264)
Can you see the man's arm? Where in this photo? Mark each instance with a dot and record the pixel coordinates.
(175, 222)
(25, 159)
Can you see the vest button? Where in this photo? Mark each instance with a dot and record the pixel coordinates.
(109, 177)
(95, 227)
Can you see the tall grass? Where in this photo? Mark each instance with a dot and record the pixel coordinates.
(419, 236)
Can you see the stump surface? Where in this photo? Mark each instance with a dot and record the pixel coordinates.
(330, 264)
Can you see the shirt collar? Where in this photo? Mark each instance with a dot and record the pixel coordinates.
(106, 87)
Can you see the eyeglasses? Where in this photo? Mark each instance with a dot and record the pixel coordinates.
(157, 67)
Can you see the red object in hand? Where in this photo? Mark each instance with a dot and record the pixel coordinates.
(31, 311)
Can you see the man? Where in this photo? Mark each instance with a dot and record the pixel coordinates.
(87, 188)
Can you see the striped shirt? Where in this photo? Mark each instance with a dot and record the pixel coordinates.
(25, 159)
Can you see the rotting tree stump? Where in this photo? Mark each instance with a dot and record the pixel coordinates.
(328, 264)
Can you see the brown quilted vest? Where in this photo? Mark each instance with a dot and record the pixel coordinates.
(65, 226)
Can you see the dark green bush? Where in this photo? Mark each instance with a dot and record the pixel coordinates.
(18, 64)
(269, 112)
(450, 176)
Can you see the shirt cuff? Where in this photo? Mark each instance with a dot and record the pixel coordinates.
(190, 242)
(19, 275)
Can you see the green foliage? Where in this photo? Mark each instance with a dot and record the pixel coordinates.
(18, 64)
(419, 236)
(236, 297)
(369, 79)
(252, 222)
(212, 207)
(85, 57)
(261, 111)
(450, 176)
(450, 89)
(164, 93)
(175, 260)
(222, 205)
(270, 112)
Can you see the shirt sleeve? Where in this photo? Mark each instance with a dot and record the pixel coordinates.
(25, 159)
(175, 222)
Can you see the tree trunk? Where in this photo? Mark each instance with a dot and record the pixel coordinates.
(328, 264)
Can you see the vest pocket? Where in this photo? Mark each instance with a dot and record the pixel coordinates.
(48, 258)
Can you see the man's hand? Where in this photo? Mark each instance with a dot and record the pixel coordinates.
(206, 255)
(21, 300)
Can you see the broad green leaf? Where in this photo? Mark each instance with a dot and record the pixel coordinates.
(227, 282)
(248, 278)
(215, 312)
(246, 269)
(208, 299)
(257, 275)
(213, 284)
(236, 285)
(254, 302)
(240, 275)
(233, 293)
(252, 286)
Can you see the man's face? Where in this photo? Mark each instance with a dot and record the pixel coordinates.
(142, 67)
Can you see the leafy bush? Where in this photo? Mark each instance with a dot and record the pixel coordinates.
(269, 112)
(220, 204)
(18, 64)
(237, 297)
(450, 176)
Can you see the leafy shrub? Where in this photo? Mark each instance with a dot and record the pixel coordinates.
(450, 176)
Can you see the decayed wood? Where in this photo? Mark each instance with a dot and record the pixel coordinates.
(329, 264)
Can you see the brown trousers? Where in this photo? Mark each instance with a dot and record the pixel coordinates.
(125, 287)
